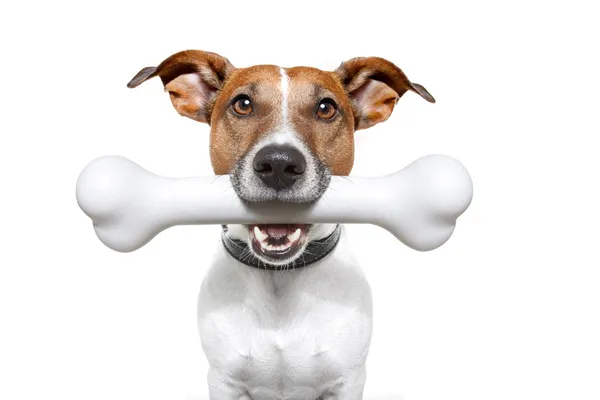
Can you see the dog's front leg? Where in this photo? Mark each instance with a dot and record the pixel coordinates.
(351, 388)
(220, 388)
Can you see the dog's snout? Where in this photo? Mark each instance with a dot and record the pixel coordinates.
(279, 167)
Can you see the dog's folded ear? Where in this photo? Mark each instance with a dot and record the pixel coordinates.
(192, 78)
(375, 85)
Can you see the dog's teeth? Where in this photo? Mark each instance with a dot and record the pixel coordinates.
(265, 246)
(295, 236)
(261, 237)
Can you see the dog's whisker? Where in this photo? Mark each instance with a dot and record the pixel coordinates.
(216, 178)
(347, 178)
(226, 189)
(333, 190)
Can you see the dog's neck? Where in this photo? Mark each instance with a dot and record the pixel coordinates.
(315, 251)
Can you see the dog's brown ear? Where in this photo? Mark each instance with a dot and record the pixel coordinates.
(192, 78)
(375, 85)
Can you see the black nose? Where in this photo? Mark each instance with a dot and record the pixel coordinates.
(279, 167)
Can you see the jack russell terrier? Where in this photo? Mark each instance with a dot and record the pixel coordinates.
(285, 311)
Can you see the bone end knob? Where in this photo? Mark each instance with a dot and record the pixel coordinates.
(434, 190)
(109, 190)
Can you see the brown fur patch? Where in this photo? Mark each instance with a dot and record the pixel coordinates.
(332, 141)
(231, 135)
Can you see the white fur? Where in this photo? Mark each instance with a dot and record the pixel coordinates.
(285, 87)
(285, 132)
(296, 335)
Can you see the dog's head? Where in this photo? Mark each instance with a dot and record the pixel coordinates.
(281, 132)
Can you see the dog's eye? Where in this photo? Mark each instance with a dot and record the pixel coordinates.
(326, 109)
(242, 105)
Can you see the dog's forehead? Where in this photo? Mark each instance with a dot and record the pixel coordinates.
(255, 75)
(312, 76)
(271, 77)
(313, 83)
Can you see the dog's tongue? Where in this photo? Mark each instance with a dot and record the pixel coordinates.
(277, 231)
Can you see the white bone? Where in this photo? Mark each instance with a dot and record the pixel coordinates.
(129, 205)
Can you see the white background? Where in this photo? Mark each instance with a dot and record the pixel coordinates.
(509, 308)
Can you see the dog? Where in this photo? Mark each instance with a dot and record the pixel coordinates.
(284, 311)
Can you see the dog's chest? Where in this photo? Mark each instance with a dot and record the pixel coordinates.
(284, 337)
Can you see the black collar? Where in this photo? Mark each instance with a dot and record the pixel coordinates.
(315, 251)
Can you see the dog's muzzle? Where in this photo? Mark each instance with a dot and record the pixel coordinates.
(284, 173)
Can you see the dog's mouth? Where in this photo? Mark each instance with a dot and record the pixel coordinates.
(278, 243)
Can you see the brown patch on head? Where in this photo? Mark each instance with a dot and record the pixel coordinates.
(204, 86)
(233, 135)
(331, 140)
